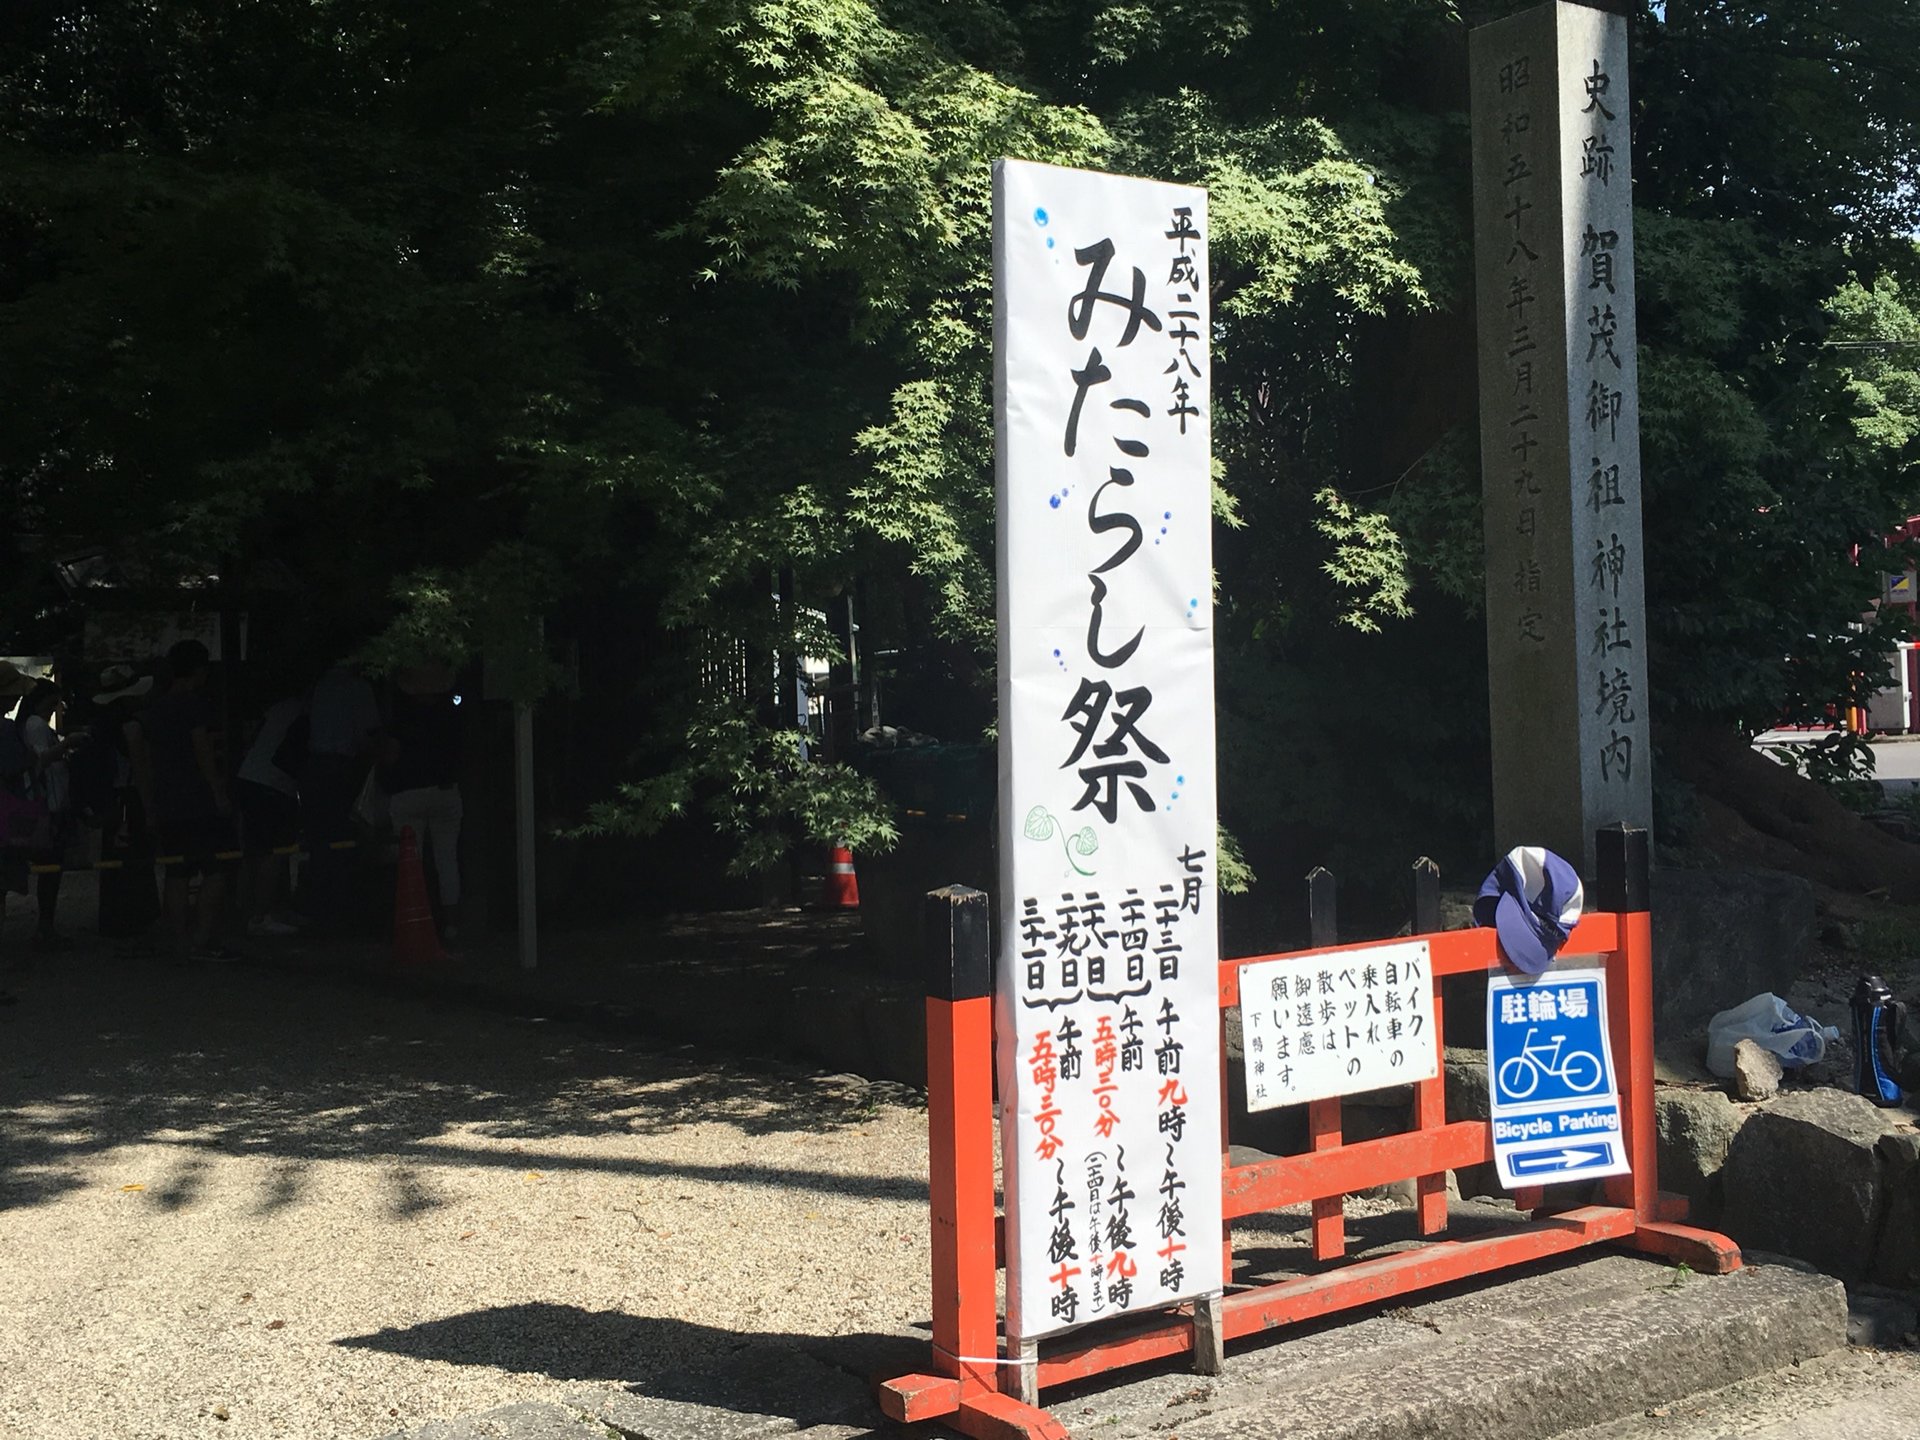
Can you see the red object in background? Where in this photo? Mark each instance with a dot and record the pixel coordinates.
(415, 941)
(841, 888)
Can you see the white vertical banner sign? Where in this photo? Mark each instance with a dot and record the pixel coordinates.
(1108, 1019)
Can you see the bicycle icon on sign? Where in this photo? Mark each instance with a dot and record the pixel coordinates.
(1521, 1076)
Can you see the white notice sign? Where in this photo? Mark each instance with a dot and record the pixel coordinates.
(1107, 990)
(1315, 1026)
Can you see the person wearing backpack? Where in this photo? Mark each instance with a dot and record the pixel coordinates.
(268, 799)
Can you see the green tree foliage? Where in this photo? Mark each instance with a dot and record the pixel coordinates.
(457, 316)
(1775, 146)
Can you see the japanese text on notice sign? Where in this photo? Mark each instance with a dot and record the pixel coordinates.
(1316, 1026)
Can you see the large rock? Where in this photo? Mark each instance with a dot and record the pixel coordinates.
(1468, 1099)
(1896, 1259)
(1805, 1177)
(1467, 1094)
(1722, 935)
(1696, 1129)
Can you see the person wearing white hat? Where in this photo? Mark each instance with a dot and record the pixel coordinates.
(121, 682)
(14, 684)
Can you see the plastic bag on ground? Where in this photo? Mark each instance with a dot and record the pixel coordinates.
(1771, 1023)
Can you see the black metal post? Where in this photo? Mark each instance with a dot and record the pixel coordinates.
(1322, 921)
(958, 953)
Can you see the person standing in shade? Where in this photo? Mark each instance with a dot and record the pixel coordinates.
(422, 778)
(183, 787)
(104, 788)
(268, 798)
(16, 779)
(343, 729)
(39, 714)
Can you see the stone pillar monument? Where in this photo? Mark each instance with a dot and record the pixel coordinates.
(1560, 428)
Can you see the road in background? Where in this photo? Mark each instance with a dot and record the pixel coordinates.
(1896, 759)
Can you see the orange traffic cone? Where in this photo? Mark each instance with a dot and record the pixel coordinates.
(415, 941)
(840, 890)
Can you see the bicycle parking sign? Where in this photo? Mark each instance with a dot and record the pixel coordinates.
(1556, 1106)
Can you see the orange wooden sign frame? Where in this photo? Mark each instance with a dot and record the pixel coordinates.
(974, 1388)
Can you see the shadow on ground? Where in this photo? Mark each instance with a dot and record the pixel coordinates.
(104, 1053)
(802, 1378)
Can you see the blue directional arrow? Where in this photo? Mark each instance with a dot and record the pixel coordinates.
(1570, 1157)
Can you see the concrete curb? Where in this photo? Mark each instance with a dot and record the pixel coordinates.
(1564, 1347)
(1595, 1340)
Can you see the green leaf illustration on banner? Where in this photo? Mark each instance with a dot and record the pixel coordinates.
(1041, 826)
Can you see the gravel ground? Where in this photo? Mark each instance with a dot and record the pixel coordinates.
(242, 1203)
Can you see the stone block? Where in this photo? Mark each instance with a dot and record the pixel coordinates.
(1696, 1128)
(760, 1391)
(1885, 1322)
(1756, 1072)
(896, 1037)
(1373, 1113)
(1896, 1258)
(1724, 934)
(1804, 1177)
(1468, 1099)
(529, 1420)
(828, 1026)
(1500, 1359)
(1467, 1094)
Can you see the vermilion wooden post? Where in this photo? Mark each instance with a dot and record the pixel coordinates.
(964, 1388)
(1624, 885)
(1621, 886)
(1323, 1116)
(1430, 1096)
(960, 1136)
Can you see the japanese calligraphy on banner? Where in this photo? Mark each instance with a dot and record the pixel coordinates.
(1316, 1026)
(1560, 427)
(1109, 1046)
